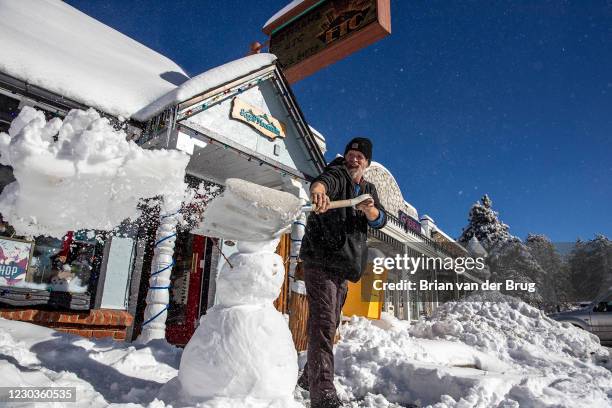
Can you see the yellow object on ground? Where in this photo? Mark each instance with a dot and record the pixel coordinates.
(362, 299)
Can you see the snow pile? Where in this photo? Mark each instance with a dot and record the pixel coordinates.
(242, 353)
(504, 325)
(206, 81)
(80, 173)
(490, 351)
(379, 364)
(560, 365)
(54, 46)
(386, 365)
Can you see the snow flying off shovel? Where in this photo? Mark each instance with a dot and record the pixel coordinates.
(250, 212)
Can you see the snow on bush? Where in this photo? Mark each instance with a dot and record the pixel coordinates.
(79, 173)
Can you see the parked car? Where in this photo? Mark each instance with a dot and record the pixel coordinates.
(595, 317)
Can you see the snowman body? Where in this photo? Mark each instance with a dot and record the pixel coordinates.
(243, 346)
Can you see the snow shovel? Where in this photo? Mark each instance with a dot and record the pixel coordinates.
(246, 211)
(340, 203)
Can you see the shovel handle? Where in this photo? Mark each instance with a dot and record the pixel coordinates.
(339, 204)
(343, 203)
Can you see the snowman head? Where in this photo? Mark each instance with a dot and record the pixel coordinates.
(253, 278)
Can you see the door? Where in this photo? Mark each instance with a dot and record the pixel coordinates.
(189, 286)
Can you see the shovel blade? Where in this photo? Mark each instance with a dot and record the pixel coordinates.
(246, 211)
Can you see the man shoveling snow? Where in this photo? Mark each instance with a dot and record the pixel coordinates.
(334, 249)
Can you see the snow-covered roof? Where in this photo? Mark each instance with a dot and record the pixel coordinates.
(52, 45)
(284, 10)
(205, 81)
(319, 138)
(412, 211)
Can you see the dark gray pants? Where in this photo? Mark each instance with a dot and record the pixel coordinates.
(326, 294)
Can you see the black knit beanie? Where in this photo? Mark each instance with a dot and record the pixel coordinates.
(361, 144)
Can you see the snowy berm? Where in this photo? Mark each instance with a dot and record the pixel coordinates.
(488, 351)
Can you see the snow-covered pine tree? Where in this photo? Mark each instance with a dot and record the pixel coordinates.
(590, 265)
(511, 260)
(484, 224)
(556, 288)
(508, 258)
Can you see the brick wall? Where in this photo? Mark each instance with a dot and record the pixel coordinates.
(94, 323)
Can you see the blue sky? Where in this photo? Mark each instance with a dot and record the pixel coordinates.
(509, 98)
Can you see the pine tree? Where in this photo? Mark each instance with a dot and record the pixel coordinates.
(590, 265)
(556, 288)
(483, 223)
(511, 260)
(508, 258)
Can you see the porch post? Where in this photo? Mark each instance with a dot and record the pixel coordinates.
(158, 296)
(298, 228)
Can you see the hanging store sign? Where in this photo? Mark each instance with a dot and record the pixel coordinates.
(15, 258)
(316, 34)
(257, 119)
(409, 223)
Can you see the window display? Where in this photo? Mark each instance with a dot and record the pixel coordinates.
(47, 263)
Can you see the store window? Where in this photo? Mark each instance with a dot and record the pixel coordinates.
(69, 264)
(9, 108)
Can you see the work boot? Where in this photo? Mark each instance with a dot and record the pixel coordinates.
(328, 401)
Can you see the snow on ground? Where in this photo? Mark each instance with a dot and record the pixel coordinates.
(52, 45)
(104, 372)
(488, 351)
(80, 173)
(559, 365)
(471, 354)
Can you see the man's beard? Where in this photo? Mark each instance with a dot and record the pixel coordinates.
(356, 173)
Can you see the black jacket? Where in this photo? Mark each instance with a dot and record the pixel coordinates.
(336, 239)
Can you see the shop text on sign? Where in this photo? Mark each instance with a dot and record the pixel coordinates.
(257, 119)
(409, 223)
(326, 32)
(322, 26)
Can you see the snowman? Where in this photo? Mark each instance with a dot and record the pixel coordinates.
(243, 347)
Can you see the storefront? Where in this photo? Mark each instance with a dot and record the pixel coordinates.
(238, 120)
(405, 233)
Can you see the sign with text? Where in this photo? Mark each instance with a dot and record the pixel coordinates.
(15, 257)
(326, 32)
(409, 223)
(257, 119)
